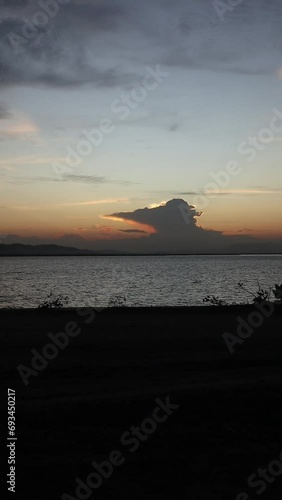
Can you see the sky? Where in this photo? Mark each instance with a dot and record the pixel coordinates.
(110, 109)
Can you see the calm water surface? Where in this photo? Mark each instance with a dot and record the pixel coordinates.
(144, 281)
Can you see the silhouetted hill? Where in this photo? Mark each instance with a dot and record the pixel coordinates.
(21, 250)
(18, 249)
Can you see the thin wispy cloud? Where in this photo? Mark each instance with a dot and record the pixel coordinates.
(276, 139)
(29, 160)
(4, 112)
(93, 179)
(230, 192)
(66, 178)
(71, 204)
(23, 130)
(95, 202)
(132, 231)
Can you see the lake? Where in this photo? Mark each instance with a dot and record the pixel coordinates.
(143, 280)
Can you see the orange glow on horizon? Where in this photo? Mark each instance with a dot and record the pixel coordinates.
(230, 217)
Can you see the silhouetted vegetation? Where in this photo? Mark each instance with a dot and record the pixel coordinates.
(117, 301)
(278, 293)
(260, 295)
(54, 302)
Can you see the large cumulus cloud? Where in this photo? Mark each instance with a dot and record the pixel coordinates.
(175, 228)
(171, 217)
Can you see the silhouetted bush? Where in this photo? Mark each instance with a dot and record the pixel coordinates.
(261, 295)
(54, 302)
(278, 293)
(117, 301)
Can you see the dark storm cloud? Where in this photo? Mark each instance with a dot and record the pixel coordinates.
(177, 230)
(61, 53)
(163, 218)
(247, 42)
(67, 51)
(14, 4)
(53, 63)
(96, 15)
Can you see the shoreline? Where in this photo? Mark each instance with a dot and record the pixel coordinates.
(239, 254)
(136, 310)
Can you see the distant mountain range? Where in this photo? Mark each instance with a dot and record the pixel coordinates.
(21, 250)
(18, 249)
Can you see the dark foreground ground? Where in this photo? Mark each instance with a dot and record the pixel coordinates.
(106, 380)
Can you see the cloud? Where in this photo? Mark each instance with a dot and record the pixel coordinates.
(94, 179)
(236, 192)
(162, 218)
(200, 40)
(14, 4)
(277, 139)
(89, 179)
(245, 230)
(15, 162)
(132, 231)
(72, 178)
(91, 42)
(173, 127)
(73, 204)
(198, 193)
(95, 202)
(22, 130)
(4, 113)
(176, 229)
(63, 53)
